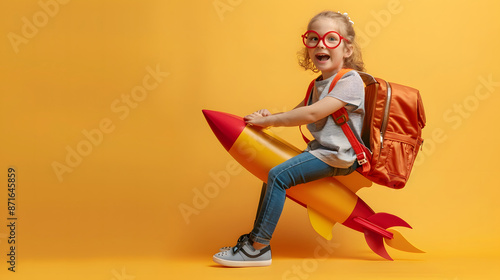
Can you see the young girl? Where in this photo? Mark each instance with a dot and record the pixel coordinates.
(329, 46)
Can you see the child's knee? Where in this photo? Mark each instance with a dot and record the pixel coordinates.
(280, 178)
(273, 173)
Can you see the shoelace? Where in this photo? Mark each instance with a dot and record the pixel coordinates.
(241, 242)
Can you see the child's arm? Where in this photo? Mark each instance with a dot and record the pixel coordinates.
(265, 112)
(298, 116)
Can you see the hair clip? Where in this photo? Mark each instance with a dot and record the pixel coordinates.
(347, 16)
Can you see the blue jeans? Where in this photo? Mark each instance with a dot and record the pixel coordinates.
(300, 169)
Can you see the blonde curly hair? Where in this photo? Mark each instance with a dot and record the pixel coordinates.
(354, 61)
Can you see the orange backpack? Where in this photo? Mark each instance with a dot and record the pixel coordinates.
(392, 129)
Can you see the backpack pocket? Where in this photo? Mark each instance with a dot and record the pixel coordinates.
(396, 159)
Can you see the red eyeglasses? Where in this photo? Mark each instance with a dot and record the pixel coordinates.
(331, 39)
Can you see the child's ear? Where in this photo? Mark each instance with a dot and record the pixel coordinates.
(348, 50)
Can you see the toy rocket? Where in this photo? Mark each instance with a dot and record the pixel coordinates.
(328, 200)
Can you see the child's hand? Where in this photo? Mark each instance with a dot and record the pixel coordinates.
(258, 118)
(264, 112)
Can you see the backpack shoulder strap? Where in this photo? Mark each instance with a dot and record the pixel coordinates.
(341, 117)
(310, 89)
(309, 92)
(339, 76)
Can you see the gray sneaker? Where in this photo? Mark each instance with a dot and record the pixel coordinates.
(244, 255)
(227, 248)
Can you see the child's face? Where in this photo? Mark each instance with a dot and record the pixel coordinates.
(328, 61)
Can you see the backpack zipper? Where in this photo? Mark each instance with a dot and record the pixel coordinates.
(386, 114)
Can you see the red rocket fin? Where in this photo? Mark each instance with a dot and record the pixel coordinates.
(376, 243)
(375, 229)
(387, 220)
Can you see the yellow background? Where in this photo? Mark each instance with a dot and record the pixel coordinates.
(68, 67)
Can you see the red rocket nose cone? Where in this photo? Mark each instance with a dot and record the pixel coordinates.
(225, 126)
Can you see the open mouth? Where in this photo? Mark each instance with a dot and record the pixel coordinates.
(322, 57)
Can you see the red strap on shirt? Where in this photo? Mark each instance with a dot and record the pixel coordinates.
(341, 117)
